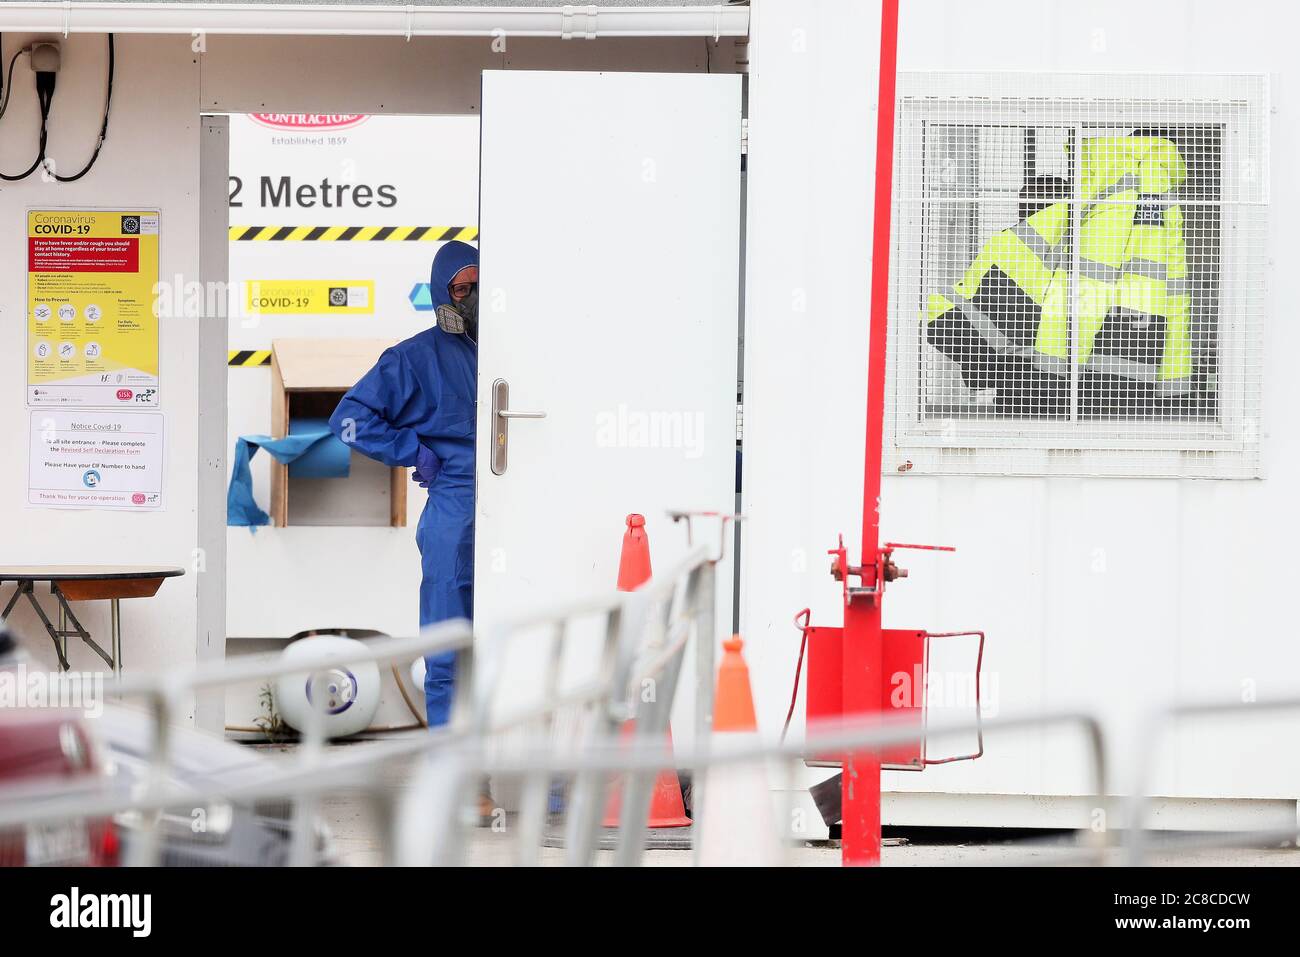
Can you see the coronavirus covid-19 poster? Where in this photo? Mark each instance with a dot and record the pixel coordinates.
(92, 325)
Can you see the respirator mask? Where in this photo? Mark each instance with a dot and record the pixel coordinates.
(460, 317)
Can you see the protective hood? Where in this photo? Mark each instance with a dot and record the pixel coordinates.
(451, 259)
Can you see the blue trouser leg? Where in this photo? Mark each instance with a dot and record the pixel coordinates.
(446, 539)
(455, 601)
(439, 688)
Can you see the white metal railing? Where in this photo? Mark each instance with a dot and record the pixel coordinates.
(1151, 733)
(164, 695)
(432, 812)
(569, 741)
(426, 824)
(644, 637)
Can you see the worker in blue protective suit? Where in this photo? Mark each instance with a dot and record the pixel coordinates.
(415, 408)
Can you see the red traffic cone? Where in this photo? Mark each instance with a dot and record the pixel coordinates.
(634, 565)
(666, 806)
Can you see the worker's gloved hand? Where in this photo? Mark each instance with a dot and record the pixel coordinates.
(426, 467)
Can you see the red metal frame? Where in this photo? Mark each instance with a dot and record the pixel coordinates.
(863, 666)
(909, 653)
(858, 686)
(979, 666)
(860, 825)
(903, 659)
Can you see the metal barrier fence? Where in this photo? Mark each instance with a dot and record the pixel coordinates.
(432, 816)
(641, 642)
(164, 695)
(426, 823)
(1152, 732)
(570, 741)
(643, 638)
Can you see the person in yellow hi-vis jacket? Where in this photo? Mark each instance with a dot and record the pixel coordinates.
(1006, 322)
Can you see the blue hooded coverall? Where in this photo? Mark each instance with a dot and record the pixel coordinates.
(416, 408)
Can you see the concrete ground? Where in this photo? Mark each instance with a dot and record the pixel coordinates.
(357, 838)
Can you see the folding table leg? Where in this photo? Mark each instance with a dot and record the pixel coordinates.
(13, 600)
(63, 630)
(49, 627)
(116, 614)
(79, 629)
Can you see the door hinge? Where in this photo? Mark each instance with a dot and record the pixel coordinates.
(744, 135)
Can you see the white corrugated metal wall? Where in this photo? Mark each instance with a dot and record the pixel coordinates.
(1111, 594)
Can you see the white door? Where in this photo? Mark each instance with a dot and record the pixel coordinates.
(609, 212)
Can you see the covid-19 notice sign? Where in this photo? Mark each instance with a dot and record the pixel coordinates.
(92, 324)
(95, 459)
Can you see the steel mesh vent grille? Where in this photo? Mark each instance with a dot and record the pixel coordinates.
(1135, 350)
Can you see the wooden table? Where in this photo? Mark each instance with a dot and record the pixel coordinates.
(85, 583)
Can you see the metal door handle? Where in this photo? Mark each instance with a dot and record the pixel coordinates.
(501, 416)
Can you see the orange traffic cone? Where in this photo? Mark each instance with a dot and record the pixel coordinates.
(736, 821)
(666, 806)
(733, 702)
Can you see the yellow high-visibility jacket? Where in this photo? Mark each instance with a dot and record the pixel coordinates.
(1133, 295)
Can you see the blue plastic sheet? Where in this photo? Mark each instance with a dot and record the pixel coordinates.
(325, 459)
(310, 450)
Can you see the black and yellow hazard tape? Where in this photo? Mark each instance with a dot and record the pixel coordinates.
(352, 234)
(249, 357)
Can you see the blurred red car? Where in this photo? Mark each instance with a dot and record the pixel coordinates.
(43, 750)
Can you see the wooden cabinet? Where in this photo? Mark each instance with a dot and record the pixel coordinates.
(308, 377)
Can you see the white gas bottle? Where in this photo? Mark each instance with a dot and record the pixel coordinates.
(347, 694)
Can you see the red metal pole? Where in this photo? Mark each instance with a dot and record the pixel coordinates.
(860, 786)
(863, 681)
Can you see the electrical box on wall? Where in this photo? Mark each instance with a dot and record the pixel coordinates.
(308, 378)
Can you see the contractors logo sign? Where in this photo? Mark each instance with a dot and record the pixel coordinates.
(309, 122)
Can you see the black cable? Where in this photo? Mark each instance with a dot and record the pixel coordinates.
(45, 84)
(103, 129)
(45, 112)
(40, 153)
(9, 82)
